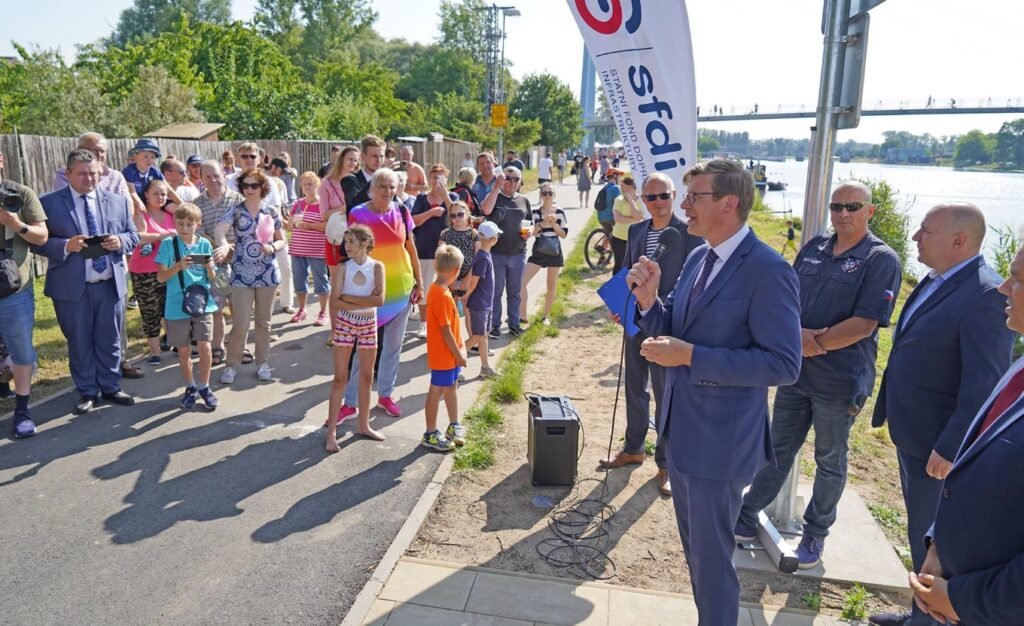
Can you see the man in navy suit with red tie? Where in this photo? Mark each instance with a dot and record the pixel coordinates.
(955, 323)
(973, 572)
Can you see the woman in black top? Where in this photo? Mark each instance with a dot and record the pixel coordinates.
(550, 227)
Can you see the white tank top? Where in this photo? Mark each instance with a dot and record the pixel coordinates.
(351, 288)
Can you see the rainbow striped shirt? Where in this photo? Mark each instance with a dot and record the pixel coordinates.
(389, 234)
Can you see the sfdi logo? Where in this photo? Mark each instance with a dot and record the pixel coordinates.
(613, 9)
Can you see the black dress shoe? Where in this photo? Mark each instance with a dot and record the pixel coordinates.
(119, 397)
(84, 406)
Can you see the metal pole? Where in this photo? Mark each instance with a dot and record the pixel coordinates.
(501, 88)
(819, 161)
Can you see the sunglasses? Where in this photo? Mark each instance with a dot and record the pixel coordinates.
(512, 179)
(851, 207)
(460, 214)
(250, 185)
(547, 193)
(651, 197)
(247, 156)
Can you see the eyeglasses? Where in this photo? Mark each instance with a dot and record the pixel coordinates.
(460, 214)
(250, 185)
(247, 156)
(547, 193)
(512, 179)
(651, 197)
(851, 207)
(691, 197)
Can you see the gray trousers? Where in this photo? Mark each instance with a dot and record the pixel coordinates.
(638, 399)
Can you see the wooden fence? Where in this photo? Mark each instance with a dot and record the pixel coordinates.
(33, 160)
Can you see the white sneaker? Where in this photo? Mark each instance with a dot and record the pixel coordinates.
(264, 372)
(228, 376)
(422, 332)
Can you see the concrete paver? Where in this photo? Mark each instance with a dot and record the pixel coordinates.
(429, 586)
(538, 600)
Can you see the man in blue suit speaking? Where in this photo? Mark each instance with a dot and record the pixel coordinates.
(729, 330)
(87, 284)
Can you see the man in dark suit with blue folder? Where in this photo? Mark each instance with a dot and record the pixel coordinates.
(90, 232)
(658, 194)
(729, 330)
(973, 572)
(954, 321)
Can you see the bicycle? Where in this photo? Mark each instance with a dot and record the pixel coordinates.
(598, 250)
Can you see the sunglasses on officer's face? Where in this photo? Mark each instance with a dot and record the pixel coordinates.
(851, 207)
(651, 197)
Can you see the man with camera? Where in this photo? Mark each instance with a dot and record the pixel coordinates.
(90, 232)
(22, 223)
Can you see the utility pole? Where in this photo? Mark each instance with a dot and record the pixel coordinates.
(494, 54)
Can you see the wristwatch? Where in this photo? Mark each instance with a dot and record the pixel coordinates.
(23, 230)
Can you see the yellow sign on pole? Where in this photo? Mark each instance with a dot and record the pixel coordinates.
(499, 115)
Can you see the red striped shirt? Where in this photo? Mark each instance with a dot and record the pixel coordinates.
(307, 243)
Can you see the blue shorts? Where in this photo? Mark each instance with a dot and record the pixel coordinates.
(444, 378)
(17, 315)
(302, 267)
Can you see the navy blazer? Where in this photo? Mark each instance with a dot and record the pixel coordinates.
(65, 273)
(745, 329)
(944, 362)
(978, 532)
(672, 262)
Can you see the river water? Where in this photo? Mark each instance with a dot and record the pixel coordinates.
(1000, 196)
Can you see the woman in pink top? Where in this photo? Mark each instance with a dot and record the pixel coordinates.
(307, 248)
(154, 225)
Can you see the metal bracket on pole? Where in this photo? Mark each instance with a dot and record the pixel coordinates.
(778, 550)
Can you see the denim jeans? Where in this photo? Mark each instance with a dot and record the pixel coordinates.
(17, 315)
(392, 335)
(792, 417)
(302, 267)
(508, 276)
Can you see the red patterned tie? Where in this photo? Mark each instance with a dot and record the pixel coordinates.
(1010, 393)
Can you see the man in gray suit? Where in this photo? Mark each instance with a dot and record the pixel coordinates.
(659, 195)
(950, 348)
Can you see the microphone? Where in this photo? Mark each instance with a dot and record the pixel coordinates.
(667, 240)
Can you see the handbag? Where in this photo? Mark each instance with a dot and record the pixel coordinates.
(196, 297)
(547, 246)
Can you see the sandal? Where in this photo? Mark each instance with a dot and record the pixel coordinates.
(218, 356)
(247, 357)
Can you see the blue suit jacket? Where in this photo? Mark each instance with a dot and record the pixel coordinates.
(978, 532)
(746, 333)
(944, 363)
(65, 273)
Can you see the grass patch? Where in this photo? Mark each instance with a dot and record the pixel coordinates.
(486, 415)
(811, 600)
(890, 518)
(855, 603)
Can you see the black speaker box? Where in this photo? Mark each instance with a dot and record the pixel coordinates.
(554, 432)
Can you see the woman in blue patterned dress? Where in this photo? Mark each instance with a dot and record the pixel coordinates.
(258, 237)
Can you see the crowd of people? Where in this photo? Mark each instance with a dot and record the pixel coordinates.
(207, 249)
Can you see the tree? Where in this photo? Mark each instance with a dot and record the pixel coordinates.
(310, 31)
(464, 27)
(891, 221)
(156, 101)
(544, 98)
(152, 17)
(707, 144)
(1010, 142)
(437, 71)
(974, 147)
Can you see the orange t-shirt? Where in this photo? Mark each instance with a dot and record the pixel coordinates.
(441, 312)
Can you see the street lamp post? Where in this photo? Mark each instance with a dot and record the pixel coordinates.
(496, 59)
(505, 12)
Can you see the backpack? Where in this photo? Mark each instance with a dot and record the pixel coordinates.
(601, 202)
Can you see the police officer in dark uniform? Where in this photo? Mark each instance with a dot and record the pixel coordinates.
(848, 287)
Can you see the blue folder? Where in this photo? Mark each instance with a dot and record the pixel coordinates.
(616, 296)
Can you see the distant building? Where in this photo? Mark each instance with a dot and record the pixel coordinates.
(197, 131)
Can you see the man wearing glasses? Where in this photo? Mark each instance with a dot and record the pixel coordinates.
(508, 209)
(249, 155)
(848, 286)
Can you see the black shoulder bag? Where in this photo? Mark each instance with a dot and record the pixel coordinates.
(195, 298)
(10, 277)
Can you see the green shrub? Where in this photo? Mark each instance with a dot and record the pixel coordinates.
(891, 222)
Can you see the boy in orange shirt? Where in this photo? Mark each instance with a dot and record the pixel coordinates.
(445, 356)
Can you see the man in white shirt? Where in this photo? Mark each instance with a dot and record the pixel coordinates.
(175, 174)
(544, 169)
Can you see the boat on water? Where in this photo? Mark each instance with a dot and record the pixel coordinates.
(799, 158)
(776, 185)
(760, 176)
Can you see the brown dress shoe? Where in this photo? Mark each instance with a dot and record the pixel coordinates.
(663, 485)
(130, 371)
(622, 458)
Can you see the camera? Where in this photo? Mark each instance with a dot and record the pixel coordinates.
(10, 200)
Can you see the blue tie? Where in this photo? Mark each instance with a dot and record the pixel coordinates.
(99, 263)
(702, 280)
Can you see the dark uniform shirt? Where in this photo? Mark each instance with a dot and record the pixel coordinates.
(509, 213)
(863, 282)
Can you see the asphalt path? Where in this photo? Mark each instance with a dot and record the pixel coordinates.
(153, 515)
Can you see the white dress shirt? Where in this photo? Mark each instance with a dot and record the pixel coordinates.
(91, 275)
(725, 250)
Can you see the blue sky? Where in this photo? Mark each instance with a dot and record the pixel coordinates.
(746, 51)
